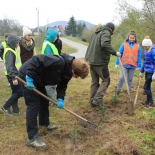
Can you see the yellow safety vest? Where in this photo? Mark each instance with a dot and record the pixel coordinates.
(18, 63)
(4, 44)
(55, 51)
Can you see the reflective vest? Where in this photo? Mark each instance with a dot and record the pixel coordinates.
(54, 49)
(130, 56)
(4, 44)
(18, 63)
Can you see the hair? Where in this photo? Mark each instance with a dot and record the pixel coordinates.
(6, 35)
(131, 33)
(80, 67)
(147, 37)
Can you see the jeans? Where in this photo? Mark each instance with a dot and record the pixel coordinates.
(147, 87)
(129, 72)
(16, 94)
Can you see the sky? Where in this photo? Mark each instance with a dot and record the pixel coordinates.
(26, 11)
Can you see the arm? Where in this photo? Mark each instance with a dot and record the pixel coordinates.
(121, 49)
(105, 43)
(139, 57)
(10, 65)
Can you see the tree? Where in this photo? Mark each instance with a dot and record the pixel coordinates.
(71, 27)
(80, 28)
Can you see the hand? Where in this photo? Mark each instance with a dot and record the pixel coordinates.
(15, 82)
(140, 74)
(60, 103)
(118, 54)
(153, 77)
(116, 66)
(137, 69)
(29, 83)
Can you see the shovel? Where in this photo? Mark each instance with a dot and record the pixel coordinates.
(49, 99)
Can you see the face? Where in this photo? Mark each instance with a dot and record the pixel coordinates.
(146, 48)
(17, 45)
(6, 39)
(28, 37)
(132, 38)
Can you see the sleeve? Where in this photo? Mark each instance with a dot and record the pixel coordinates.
(153, 56)
(139, 57)
(105, 43)
(10, 65)
(48, 50)
(142, 69)
(61, 88)
(121, 49)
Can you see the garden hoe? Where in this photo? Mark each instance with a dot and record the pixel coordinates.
(130, 105)
(49, 99)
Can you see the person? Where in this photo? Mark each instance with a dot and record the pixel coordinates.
(131, 53)
(98, 55)
(58, 44)
(11, 66)
(26, 48)
(149, 68)
(4, 45)
(42, 70)
(49, 48)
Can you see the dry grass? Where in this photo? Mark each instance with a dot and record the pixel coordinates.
(118, 134)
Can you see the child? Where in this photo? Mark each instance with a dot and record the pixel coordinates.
(58, 44)
(149, 69)
(42, 70)
(26, 48)
(11, 66)
(130, 57)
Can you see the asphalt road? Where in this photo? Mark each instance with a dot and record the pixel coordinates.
(81, 49)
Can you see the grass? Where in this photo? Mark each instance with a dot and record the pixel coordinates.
(117, 132)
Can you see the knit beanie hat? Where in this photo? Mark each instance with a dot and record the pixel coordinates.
(147, 41)
(26, 31)
(111, 25)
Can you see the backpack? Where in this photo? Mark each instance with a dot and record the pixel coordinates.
(1, 51)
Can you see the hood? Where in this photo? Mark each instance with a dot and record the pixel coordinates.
(51, 34)
(13, 40)
(102, 28)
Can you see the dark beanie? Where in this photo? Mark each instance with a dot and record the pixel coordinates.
(111, 25)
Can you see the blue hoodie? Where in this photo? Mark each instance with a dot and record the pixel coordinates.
(51, 34)
(131, 44)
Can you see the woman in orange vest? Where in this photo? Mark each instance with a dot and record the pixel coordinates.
(131, 53)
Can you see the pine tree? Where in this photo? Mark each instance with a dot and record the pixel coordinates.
(71, 27)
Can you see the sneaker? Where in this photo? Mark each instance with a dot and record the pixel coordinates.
(36, 143)
(7, 111)
(149, 105)
(97, 103)
(51, 127)
(17, 113)
(118, 92)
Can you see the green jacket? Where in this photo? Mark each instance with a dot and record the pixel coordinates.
(99, 48)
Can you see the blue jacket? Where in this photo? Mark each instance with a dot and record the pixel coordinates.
(51, 34)
(131, 44)
(149, 61)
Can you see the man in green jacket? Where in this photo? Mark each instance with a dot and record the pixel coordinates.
(98, 55)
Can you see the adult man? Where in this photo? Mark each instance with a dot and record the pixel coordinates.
(98, 55)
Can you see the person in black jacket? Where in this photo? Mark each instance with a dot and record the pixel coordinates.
(42, 70)
(58, 44)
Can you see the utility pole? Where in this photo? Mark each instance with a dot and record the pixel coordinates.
(38, 20)
(47, 23)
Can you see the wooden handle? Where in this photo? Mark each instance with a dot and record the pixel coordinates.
(135, 101)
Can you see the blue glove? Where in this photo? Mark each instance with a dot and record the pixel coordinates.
(29, 83)
(60, 103)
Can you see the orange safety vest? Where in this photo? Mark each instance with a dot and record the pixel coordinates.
(130, 56)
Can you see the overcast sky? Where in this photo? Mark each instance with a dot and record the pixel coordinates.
(93, 11)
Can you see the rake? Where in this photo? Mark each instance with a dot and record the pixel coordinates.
(49, 99)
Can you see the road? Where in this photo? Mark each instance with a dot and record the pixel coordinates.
(81, 49)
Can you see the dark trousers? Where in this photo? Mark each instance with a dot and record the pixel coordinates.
(36, 106)
(147, 87)
(16, 94)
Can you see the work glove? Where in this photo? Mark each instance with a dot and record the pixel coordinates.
(140, 74)
(60, 103)
(118, 54)
(116, 66)
(137, 69)
(29, 83)
(153, 77)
